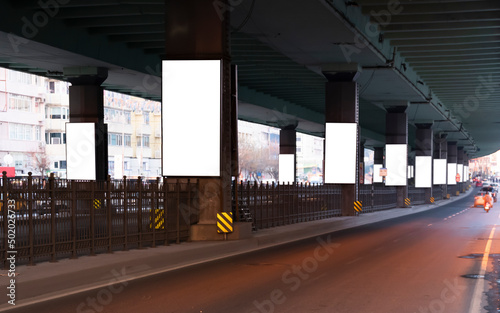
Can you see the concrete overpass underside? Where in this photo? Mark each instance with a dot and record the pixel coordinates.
(441, 56)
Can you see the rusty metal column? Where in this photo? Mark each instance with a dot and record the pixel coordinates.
(86, 105)
(397, 137)
(288, 147)
(424, 145)
(342, 107)
(198, 30)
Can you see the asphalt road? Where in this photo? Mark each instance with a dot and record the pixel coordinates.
(410, 264)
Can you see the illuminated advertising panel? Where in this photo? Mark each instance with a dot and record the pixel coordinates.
(396, 156)
(376, 173)
(439, 172)
(286, 168)
(423, 171)
(452, 173)
(80, 151)
(191, 117)
(340, 153)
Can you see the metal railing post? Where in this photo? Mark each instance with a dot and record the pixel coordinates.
(52, 217)
(139, 211)
(110, 216)
(125, 214)
(5, 210)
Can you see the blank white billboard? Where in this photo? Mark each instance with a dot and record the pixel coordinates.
(340, 153)
(376, 173)
(80, 151)
(396, 158)
(452, 173)
(191, 117)
(286, 168)
(423, 171)
(118, 166)
(460, 171)
(439, 172)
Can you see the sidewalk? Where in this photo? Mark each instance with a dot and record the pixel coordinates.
(47, 280)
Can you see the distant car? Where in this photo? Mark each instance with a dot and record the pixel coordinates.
(491, 190)
(478, 199)
(495, 186)
(479, 183)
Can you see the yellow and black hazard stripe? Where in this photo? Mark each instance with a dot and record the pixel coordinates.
(224, 222)
(358, 206)
(407, 201)
(97, 204)
(432, 199)
(159, 219)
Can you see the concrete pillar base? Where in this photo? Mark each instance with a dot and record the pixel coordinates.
(208, 232)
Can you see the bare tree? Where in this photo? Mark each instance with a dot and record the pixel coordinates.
(41, 161)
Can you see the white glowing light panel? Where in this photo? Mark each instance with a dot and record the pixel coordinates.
(411, 172)
(340, 153)
(118, 166)
(423, 171)
(286, 168)
(439, 172)
(396, 156)
(191, 112)
(80, 151)
(452, 173)
(376, 173)
(460, 171)
(466, 173)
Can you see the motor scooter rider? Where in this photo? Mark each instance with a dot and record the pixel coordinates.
(488, 199)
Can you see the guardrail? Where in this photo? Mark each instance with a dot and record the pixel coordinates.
(58, 218)
(269, 205)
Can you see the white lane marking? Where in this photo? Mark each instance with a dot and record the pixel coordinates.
(354, 261)
(477, 295)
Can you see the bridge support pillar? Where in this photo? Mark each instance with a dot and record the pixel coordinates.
(396, 156)
(194, 30)
(288, 156)
(452, 167)
(342, 132)
(440, 155)
(424, 145)
(86, 105)
(460, 169)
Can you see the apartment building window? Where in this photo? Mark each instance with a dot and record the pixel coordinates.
(55, 138)
(21, 131)
(58, 113)
(116, 116)
(115, 139)
(62, 165)
(52, 87)
(128, 141)
(20, 77)
(38, 133)
(20, 103)
(146, 118)
(145, 140)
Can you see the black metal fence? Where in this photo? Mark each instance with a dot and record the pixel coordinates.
(56, 218)
(270, 205)
(437, 192)
(416, 195)
(53, 218)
